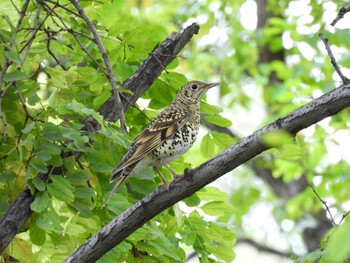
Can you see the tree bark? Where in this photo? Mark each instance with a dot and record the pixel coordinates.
(154, 203)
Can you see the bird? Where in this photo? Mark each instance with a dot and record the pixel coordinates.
(167, 137)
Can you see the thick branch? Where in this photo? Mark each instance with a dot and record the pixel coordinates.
(154, 203)
(12, 220)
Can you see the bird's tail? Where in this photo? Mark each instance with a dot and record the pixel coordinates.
(118, 183)
(121, 175)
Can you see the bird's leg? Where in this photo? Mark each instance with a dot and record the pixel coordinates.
(159, 174)
(175, 175)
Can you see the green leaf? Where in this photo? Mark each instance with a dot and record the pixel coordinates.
(51, 132)
(13, 56)
(33, 99)
(139, 234)
(79, 108)
(15, 76)
(338, 247)
(189, 237)
(41, 202)
(192, 200)
(218, 120)
(38, 165)
(84, 206)
(207, 146)
(84, 192)
(29, 127)
(209, 109)
(49, 220)
(196, 222)
(211, 193)
(37, 235)
(159, 247)
(118, 203)
(312, 257)
(77, 176)
(55, 161)
(7, 176)
(69, 163)
(61, 189)
(123, 71)
(39, 184)
(221, 251)
(223, 140)
(217, 208)
(43, 156)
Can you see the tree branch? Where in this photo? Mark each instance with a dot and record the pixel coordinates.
(263, 248)
(340, 15)
(333, 61)
(19, 211)
(111, 76)
(154, 203)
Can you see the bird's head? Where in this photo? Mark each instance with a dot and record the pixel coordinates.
(192, 91)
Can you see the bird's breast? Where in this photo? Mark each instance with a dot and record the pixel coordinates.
(176, 146)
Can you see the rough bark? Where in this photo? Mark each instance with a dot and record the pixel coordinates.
(154, 203)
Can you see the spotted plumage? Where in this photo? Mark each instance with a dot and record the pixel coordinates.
(167, 137)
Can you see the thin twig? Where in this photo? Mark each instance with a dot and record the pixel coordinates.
(64, 8)
(24, 105)
(333, 61)
(56, 32)
(15, 7)
(27, 45)
(324, 203)
(7, 62)
(340, 15)
(74, 34)
(111, 76)
(22, 13)
(263, 248)
(50, 36)
(343, 217)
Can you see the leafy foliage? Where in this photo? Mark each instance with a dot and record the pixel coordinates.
(53, 77)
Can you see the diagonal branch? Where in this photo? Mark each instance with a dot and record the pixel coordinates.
(333, 61)
(19, 211)
(340, 15)
(247, 148)
(111, 76)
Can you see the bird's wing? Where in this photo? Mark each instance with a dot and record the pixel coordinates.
(152, 137)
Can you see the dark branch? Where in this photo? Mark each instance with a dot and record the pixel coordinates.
(334, 62)
(263, 248)
(324, 203)
(340, 15)
(154, 203)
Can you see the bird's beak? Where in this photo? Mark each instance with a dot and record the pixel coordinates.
(210, 85)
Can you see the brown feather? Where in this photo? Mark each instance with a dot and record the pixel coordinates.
(148, 141)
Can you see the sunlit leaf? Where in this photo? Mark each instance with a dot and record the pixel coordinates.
(41, 202)
(61, 189)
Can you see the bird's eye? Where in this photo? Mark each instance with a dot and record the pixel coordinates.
(194, 86)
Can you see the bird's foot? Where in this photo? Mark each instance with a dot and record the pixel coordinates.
(166, 185)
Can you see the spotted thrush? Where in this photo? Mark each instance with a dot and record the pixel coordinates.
(167, 137)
